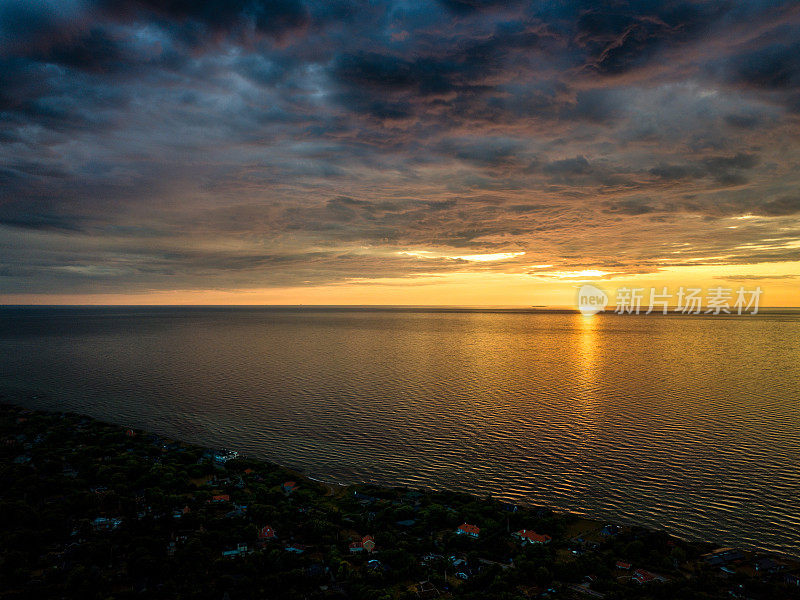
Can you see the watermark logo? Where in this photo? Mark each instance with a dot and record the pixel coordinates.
(591, 299)
(687, 301)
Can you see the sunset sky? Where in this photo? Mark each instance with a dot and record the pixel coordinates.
(460, 152)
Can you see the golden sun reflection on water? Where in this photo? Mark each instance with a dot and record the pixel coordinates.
(588, 402)
(587, 326)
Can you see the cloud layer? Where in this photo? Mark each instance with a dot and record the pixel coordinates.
(169, 144)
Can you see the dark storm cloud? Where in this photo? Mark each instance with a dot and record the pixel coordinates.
(630, 207)
(726, 170)
(41, 222)
(569, 166)
(270, 16)
(197, 23)
(743, 121)
(779, 207)
(776, 66)
(596, 105)
(94, 51)
(678, 172)
(291, 141)
(467, 67)
(619, 36)
(470, 6)
(488, 152)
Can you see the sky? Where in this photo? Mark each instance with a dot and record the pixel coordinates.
(451, 152)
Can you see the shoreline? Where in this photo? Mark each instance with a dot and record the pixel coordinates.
(226, 492)
(5, 399)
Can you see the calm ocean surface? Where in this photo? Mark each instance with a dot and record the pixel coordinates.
(691, 424)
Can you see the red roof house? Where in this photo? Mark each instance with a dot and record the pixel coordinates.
(267, 533)
(642, 576)
(526, 536)
(470, 530)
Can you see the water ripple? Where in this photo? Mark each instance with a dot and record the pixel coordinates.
(678, 422)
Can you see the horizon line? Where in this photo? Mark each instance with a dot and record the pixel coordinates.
(533, 308)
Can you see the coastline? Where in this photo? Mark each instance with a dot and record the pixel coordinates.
(574, 540)
(19, 397)
(43, 401)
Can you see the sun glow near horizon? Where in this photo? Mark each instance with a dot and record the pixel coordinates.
(430, 254)
(523, 287)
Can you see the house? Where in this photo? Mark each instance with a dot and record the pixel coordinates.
(723, 556)
(368, 543)
(625, 566)
(222, 456)
(526, 536)
(472, 531)
(267, 533)
(241, 550)
(642, 576)
(289, 486)
(295, 548)
(104, 524)
(220, 498)
(238, 511)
